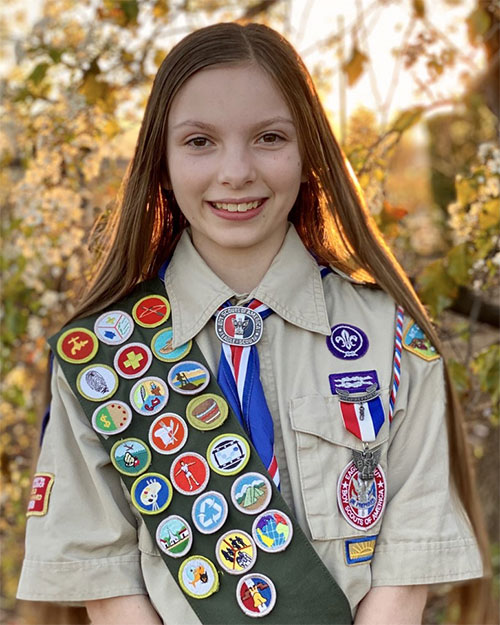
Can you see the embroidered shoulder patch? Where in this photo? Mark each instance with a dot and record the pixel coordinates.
(415, 341)
(359, 550)
(40, 492)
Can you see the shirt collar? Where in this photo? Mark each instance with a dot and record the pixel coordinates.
(292, 287)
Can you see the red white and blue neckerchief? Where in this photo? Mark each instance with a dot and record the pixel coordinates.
(239, 379)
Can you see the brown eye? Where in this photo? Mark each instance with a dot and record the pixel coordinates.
(270, 138)
(198, 142)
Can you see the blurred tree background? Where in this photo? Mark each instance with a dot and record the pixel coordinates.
(72, 100)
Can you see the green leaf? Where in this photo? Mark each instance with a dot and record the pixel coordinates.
(407, 119)
(354, 67)
(460, 376)
(436, 288)
(130, 9)
(459, 262)
(466, 189)
(38, 74)
(486, 365)
(478, 24)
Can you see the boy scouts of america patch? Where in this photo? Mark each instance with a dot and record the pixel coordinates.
(256, 594)
(361, 495)
(238, 325)
(40, 492)
(415, 341)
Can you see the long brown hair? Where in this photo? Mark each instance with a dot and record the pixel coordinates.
(329, 213)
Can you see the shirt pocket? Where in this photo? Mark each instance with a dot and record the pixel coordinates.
(324, 449)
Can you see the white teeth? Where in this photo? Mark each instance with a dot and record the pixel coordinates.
(241, 207)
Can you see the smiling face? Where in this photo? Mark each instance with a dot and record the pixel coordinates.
(233, 158)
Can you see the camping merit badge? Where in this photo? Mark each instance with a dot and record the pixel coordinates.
(361, 490)
(238, 325)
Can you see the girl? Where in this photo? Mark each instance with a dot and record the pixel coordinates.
(239, 184)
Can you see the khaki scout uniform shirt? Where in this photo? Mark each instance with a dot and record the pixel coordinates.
(91, 543)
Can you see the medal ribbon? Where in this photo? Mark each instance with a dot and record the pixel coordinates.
(239, 378)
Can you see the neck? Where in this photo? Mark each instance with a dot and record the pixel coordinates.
(241, 268)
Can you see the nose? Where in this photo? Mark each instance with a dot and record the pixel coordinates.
(236, 167)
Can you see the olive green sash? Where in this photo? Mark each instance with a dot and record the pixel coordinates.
(306, 592)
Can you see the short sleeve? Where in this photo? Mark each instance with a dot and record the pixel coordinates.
(84, 546)
(425, 536)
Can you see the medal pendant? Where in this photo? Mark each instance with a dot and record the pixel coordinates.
(238, 325)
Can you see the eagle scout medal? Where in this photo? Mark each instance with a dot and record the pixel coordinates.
(189, 473)
(362, 491)
(362, 413)
(40, 492)
(209, 512)
(228, 454)
(256, 594)
(347, 342)
(198, 577)
(174, 536)
(161, 344)
(272, 531)
(359, 550)
(114, 327)
(356, 382)
(188, 377)
(238, 325)
(112, 417)
(97, 382)
(168, 433)
(151, 493)
(151, 311)
(77, 345)
(236, 552)
(130, 456)
(149, 396)
(415, 341)
(251, 493)
(207, 412)
(133, 360)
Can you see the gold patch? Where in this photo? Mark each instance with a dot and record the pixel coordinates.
(40, 492)
(415, 341)
(359, 550)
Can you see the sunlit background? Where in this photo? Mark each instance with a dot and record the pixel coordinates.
(412, 91)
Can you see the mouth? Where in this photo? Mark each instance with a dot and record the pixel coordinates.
(237, 207)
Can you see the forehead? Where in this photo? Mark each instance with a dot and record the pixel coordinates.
(242, 94)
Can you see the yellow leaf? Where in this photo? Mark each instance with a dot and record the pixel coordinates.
(490, 213)
(354, 67)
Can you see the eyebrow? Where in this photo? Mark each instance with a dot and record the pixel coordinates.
(204, 126)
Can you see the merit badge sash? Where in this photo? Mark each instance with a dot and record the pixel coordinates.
(221, 526)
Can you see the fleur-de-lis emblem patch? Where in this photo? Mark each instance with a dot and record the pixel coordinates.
(347, 342)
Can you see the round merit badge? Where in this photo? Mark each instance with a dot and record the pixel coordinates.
(347, 342)
(161, 344)
(207, 412)
(272, 531)
(133, 360)
(189, 473)
(97, 382)
(130, 456)
(112, 417)
(209, 512)
(77, 345)
(168, 433)
(236, 552)
(198, 577)
(114, 327)
(238, 325)
(174, 536)
(151, 493)
(188, 377)
(251, 493)
(256, 594)
(151, 311)
(149, 396)
(227, 454)
(361, 501)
